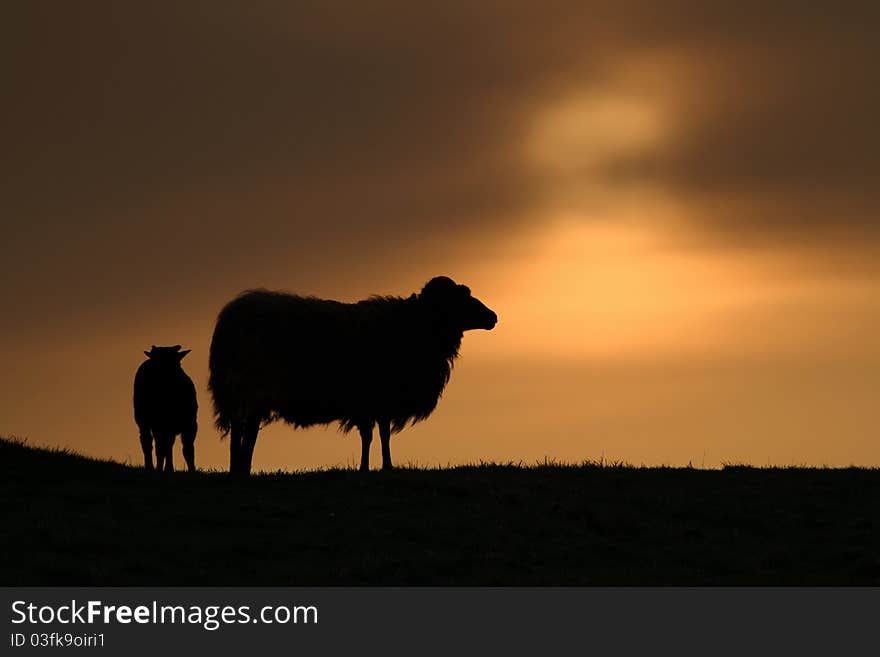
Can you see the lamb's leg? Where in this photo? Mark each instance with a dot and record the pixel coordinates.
(160, 452)
(366, 431)
(168, 446)
(385, 437)
(147, 447)
(188, 439)
(235, 448)
(248, 440)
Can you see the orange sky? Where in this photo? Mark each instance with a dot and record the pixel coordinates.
(674, 215)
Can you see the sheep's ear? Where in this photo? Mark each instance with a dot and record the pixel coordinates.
(438, 285)
(176, 347)
(148, 354)
(183, 353)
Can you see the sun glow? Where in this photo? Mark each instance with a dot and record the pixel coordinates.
(624, 288)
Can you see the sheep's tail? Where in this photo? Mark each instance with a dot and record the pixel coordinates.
(221, 420)
(216, 366)
(223, 424)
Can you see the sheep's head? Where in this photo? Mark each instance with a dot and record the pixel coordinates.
(168, 356)
(454, 303)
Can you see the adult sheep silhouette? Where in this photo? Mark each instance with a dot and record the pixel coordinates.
(382, 361)
(164, 406)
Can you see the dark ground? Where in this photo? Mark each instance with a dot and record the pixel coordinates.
(72, 520)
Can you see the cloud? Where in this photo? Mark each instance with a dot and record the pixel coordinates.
(187, 145)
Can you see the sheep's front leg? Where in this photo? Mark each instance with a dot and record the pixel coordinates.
(366, 431)
(385, 437)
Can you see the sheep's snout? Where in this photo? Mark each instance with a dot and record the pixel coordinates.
(480, 316)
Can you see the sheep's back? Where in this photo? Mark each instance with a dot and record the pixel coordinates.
(275, 353)
(314, 361)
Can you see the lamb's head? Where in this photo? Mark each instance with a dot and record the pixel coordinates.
(169, 357)
(454, 304)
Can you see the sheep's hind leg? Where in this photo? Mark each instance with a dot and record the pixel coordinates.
(248, 441)
(385, 437)
(366, 431)
(147, 447)
(235, 448)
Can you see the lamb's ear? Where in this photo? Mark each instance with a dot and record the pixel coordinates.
(148, 354)
(183, 353)
(176, 347)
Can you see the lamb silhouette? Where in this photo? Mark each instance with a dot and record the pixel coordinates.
(164, 406)
(308, 361)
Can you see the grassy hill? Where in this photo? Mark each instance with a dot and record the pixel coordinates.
(73, 520)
